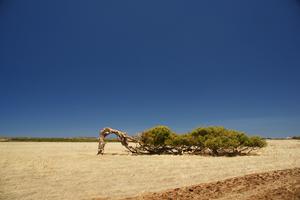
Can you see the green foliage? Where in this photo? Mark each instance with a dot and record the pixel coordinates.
(212, 131)
(213, 143)
(257, 141)
(157, 136)
(214, 139)
(181, 140)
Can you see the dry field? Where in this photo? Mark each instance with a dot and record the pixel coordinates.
(273, 185)
(73, 171)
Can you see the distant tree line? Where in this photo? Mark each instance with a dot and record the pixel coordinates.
(67, 139)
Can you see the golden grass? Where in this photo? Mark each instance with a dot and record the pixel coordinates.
(73, 171)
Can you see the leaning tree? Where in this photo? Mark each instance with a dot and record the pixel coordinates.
(122, 136)
(216, 141)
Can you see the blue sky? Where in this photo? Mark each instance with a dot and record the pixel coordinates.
(69, 68)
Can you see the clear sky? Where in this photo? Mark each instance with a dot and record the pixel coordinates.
(70, 67)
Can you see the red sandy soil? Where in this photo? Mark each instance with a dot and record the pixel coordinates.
(280, 184)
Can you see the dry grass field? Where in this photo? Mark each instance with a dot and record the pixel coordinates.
(41, 170)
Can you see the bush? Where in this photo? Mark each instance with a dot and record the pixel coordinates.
(157, 136)
(211, 140)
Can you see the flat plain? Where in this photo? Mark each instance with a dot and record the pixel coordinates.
(64, 170)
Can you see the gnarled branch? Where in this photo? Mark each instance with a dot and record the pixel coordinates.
(123, 137)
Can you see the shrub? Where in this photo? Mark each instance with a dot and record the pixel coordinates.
(213, 131)
(157, 136)
(256, 141)
(212, 140)
(222, 141)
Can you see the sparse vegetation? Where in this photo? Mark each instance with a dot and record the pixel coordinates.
(213, 140)
(216, 141)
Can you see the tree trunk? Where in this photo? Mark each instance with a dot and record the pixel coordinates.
(123, 137)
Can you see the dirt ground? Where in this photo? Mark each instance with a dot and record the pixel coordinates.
(32, 171)
(280, 184)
